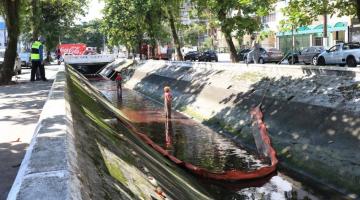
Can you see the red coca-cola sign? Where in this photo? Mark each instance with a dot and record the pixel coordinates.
(73, 49)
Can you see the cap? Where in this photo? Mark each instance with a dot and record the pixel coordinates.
(41, 39)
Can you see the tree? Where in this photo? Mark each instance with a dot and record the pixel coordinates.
(87, 33)
(295, 17)
(126, 27)
(51, 19)
(10, 9)
(156, 28)
(172, 9)
(236, 17)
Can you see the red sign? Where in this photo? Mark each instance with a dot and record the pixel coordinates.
(72, 49)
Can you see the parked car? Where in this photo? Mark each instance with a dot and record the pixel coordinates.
(208, 56)
(267, 55)
(192, 55)
(17, 65)
(25, 59)
(310, 55)
(242, 53)
(341, 54)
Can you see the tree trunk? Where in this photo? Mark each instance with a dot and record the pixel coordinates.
(175, 35)
(11, 10)
(35, 19)
(358, 9)
(325, 31)
(227, 33)
(229, 41)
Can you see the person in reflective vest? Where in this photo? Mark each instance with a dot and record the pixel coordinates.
(37, 59)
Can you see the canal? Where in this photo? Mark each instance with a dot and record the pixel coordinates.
(201, 146)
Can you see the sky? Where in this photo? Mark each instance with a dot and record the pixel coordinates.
(94, 10)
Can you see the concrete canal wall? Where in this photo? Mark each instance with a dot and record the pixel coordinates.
(79, 151)
(312, 113)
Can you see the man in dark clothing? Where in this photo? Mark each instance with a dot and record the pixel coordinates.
(37, 59)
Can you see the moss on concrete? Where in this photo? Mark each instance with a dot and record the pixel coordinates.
(191, 112)
(250, 76)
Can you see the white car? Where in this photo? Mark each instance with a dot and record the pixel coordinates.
(341, 54)
(17, 66)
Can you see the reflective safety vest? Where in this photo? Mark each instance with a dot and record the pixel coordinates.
(35, 50)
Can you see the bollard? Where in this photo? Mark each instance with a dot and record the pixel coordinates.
(167, 102)
(118, 80)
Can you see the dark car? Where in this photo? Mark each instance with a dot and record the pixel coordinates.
(208, 56)
(309, 55)
(242, 54)
(269, 55)
(192, 56)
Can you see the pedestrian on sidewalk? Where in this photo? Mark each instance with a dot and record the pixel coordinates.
(118, 80)
(37, 60)
(167, 102)
(254, 54)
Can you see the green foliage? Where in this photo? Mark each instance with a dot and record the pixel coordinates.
(51, 19)
(192, 32)
(236, 16)
(297, 16)
(87, 33)
(124, 21)
(303, 12)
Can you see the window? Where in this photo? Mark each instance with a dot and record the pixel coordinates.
(269, 18)
(334, 48)
(304, 51)
(318, 41)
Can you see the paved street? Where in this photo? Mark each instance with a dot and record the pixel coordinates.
(20, 108)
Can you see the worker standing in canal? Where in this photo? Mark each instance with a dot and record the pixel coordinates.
(118, 80)
(167, 102)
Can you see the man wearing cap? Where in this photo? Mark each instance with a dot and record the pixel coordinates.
(37, 59)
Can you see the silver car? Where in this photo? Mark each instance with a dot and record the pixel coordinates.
(17, 66)
(266, 56)
(341, 54)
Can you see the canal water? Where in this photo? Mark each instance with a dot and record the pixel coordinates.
(195, 143)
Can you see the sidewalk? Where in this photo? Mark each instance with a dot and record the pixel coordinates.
(20, 108)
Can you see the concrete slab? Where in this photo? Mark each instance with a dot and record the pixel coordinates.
(44, 186)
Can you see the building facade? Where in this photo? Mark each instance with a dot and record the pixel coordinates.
(3, 34)
(312, 35)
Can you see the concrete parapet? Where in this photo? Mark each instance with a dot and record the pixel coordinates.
(312, 112)
(48, 170)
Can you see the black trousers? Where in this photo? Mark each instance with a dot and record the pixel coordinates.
(35, 66)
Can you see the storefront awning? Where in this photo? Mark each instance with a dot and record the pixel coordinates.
(339, 26)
